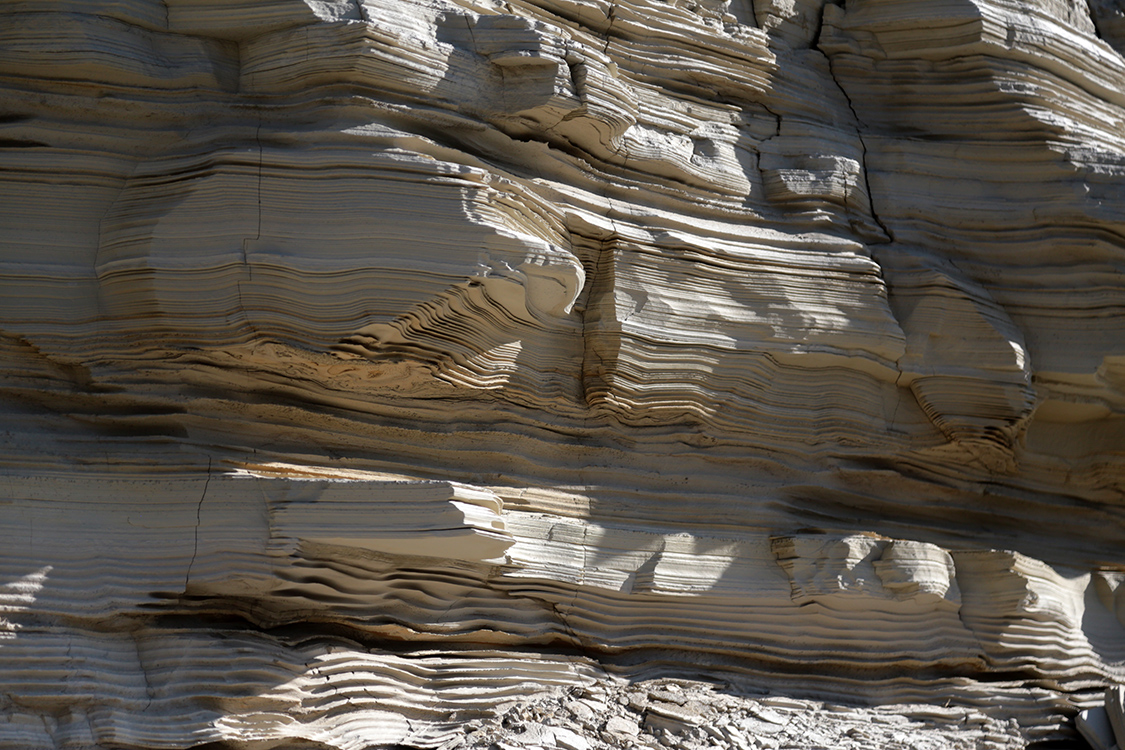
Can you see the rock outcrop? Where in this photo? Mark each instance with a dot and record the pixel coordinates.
(561, 373)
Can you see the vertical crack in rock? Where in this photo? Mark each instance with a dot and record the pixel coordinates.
(611, 16)
(753, 12)
(144, 667)
(472, 36)
(565, 617)
(867, 180)
(251, 243)
(198, 521)
(863, 146)
(589, 350)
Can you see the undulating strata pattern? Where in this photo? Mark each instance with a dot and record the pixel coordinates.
(407, 372)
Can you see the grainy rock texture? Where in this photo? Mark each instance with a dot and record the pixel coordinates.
(559, 373)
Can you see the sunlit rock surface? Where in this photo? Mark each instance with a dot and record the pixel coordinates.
(561, 374)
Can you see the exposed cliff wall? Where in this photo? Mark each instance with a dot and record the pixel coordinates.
(370, 365)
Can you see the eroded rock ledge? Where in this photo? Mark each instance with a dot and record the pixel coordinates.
(390, 373)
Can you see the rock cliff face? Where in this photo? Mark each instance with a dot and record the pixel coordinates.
(565, 373)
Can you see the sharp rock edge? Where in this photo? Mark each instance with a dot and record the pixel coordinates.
(544, 373)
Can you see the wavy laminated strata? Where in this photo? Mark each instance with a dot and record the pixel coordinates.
(397, 373)
(443, 564)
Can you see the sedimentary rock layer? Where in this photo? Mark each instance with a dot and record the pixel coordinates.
(368, 364)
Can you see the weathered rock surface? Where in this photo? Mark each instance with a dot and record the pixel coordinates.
(464, 373)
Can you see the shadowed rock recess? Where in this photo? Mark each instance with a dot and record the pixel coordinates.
(561, 373)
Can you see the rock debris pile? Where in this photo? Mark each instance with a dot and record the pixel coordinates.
(676, 713)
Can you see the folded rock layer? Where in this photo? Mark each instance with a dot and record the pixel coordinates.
(388, 373)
